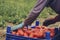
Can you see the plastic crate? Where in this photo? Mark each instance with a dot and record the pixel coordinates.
(9, 36)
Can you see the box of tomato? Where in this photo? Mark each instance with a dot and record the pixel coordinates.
(37, 33)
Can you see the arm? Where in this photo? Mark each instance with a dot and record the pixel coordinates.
(52, 20)
(35, 12)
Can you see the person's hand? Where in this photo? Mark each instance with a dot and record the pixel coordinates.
(17, 26)
(48, 22)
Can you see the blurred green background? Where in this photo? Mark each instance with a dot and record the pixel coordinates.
(15, 11)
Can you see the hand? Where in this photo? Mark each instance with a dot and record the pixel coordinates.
(17, 26)
(48, 22)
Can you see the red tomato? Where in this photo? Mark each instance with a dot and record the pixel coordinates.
(52, 29)
(52, 34)
(13, 32)
(25, 34)
(28, 31)
(37, 32)
(31, 35)
(20, 32)
(41, 33)
(17, 34)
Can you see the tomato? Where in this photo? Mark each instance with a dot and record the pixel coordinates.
(31, 35)
(13, 32)
(41, 33)
(52, 29)
(17, 34)
(25, 34)
(28, 31)
(37, 32)
(20, 31)
(52, 34)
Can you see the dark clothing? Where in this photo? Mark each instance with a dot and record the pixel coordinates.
(51, 21)
(54, 4)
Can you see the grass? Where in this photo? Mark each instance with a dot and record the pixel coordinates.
(16, 11)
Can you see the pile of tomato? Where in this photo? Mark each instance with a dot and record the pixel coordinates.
(37, 32)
